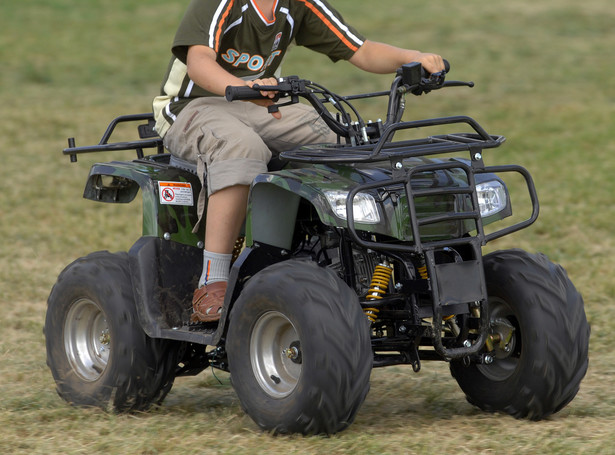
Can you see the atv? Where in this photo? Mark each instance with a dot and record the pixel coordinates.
(358, 254)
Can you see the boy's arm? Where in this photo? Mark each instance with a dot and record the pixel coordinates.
(204, 71)
(207, 73)
(383, 58)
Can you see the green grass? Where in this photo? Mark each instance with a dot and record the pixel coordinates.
(543, 73)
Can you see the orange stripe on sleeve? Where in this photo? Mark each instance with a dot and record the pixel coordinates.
(222, 21)
(331, 27)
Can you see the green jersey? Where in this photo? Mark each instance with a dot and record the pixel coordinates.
(247, 44)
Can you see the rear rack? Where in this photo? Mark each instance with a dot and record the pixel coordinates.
(385, 148)
(149, 138)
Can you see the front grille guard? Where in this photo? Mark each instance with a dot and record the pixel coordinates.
(455, 283)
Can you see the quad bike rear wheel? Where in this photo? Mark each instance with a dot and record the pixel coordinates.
(540, 339)
(299, 350)
(96, 349)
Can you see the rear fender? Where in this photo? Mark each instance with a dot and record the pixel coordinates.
(169, 195)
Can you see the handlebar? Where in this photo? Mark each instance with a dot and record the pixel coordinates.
(410, 78)
(287, 86)
(242, 93)
(245, 93)
(413, 74)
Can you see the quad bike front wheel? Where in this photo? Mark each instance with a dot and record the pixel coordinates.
(96, 349)
(299, 350)
(539, 339)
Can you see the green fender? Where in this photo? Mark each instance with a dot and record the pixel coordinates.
(275, 198)
(171, 217)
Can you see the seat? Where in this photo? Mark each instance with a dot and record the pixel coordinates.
(183, 164)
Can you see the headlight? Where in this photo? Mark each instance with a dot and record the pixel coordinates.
(364, 207)
(491, 197)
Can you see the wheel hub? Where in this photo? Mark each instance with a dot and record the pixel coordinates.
(293, 352)
(275, 353)
(501, 338)
(87, 340)
(503, 343)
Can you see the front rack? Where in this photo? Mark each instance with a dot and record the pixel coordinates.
(386, 149)
(450, 283)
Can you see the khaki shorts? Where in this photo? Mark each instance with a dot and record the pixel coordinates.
(234, 141)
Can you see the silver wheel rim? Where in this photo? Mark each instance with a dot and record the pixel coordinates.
(505, 362)
(87, 341)
(275, 353)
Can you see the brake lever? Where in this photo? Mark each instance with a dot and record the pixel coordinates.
(458, 84)
(294, 99)
(290, 86)
(436, 81)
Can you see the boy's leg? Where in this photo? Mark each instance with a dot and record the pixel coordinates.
(209, 132)
(226, 212)
(300, 125)
(227, 139)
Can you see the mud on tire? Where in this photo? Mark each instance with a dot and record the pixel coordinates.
(96, 349)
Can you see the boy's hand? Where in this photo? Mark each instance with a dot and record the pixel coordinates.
(432, 63)
(271, 95)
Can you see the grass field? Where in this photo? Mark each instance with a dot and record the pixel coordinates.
(544, 78)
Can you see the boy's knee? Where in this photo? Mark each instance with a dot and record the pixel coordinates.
(226, 173)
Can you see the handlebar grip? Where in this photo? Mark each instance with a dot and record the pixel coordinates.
(447, 66)
(242, 93)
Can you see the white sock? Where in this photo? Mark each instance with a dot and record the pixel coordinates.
(216, 267)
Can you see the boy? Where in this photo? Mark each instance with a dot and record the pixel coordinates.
(243, 42)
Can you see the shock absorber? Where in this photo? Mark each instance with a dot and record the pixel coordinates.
(237, 248)
(422, 270)
(378, 287)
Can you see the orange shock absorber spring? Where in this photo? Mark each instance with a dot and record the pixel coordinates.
(378, 287)
(423, 272)
(237, 248)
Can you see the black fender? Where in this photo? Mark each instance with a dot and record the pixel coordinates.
(164, 275)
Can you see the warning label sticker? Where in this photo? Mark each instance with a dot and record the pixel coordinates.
(175, 193)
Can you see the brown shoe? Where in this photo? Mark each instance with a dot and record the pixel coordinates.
(207, 302)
